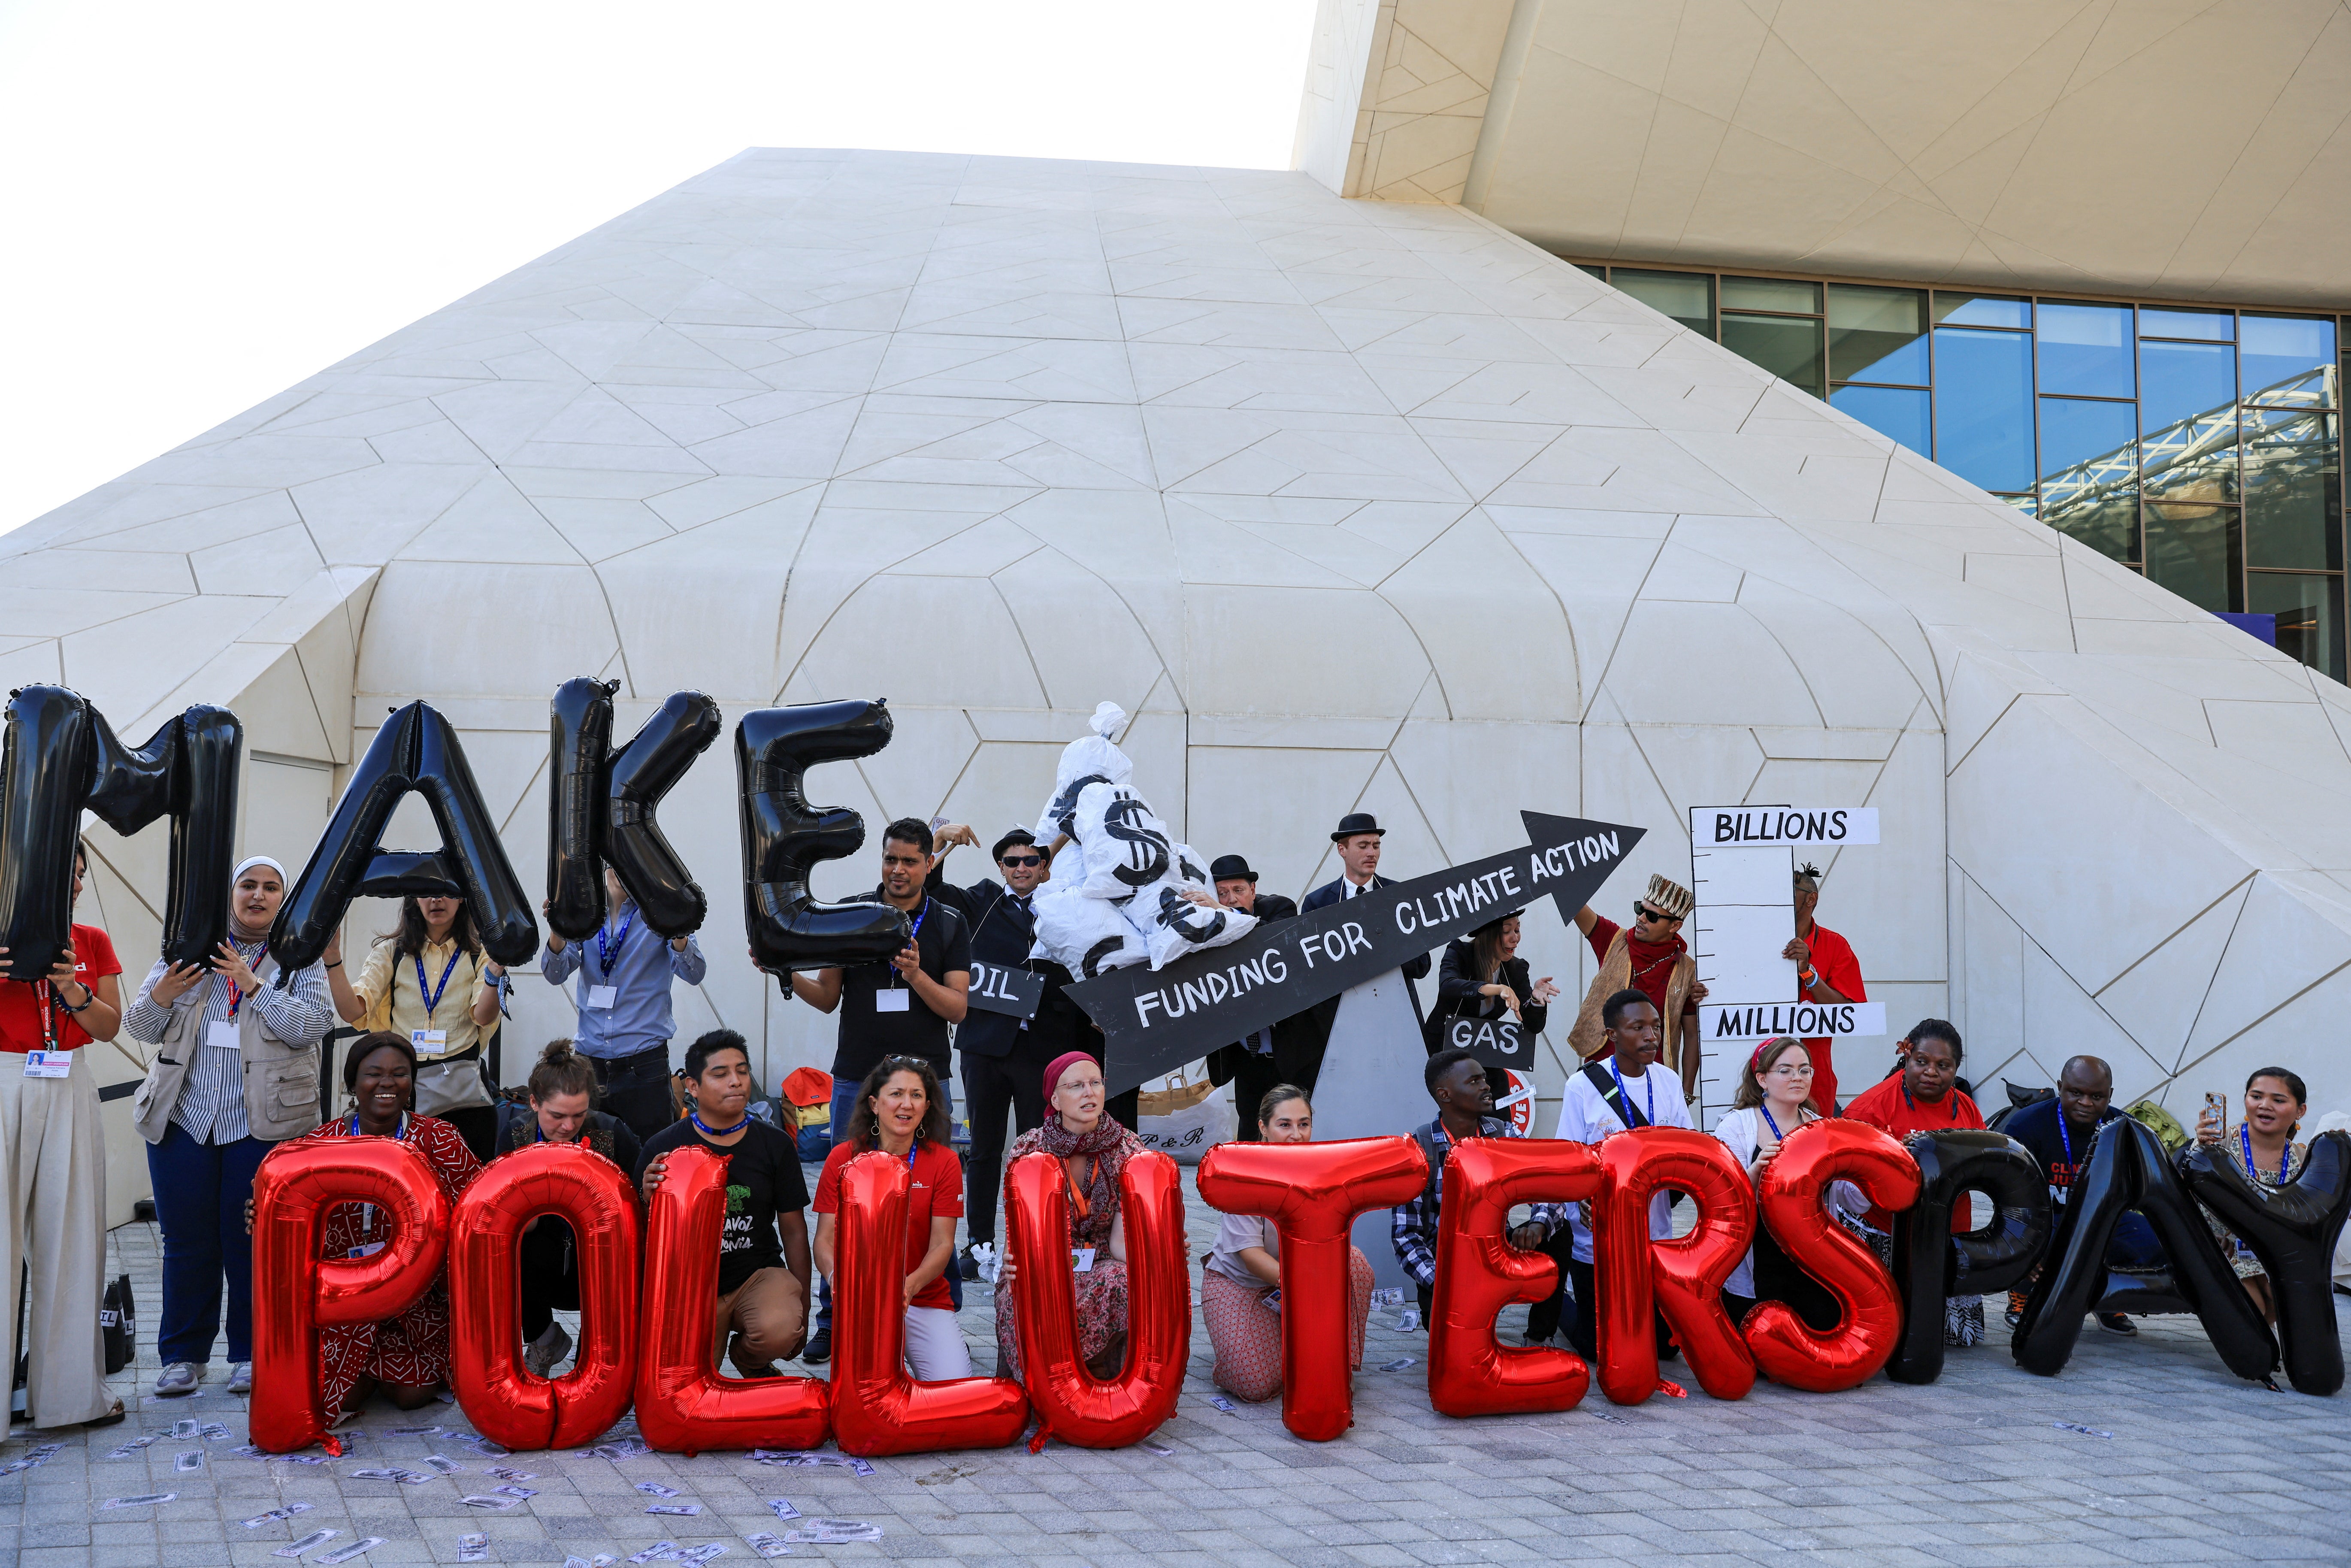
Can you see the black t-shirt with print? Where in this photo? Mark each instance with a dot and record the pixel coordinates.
(763, 1180)
(867, 1033)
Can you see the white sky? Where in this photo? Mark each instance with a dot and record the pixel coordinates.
(205, 204)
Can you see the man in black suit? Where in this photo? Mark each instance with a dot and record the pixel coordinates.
(1358, 839)
(1004, 1057)
(1248, 1065)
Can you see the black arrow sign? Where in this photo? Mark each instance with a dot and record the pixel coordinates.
(1155, 1020)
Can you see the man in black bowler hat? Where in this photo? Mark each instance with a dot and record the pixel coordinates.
(1248, 1065)
(1358, 837)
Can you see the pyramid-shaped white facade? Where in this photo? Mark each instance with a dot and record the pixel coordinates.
(1358, 506)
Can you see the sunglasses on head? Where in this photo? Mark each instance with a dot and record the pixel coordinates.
(1020, 859)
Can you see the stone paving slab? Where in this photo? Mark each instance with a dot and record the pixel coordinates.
(1970, 1470)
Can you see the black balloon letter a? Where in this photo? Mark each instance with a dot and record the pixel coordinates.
(415, 749)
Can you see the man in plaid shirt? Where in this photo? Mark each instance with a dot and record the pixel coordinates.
(1465, 1109)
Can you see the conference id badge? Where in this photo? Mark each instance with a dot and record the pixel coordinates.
(893, 1000)
(223, 1033)
(49, 1064)
(602, 997)
(430, 1041)
(1082, 1259)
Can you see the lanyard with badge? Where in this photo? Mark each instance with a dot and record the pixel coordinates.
(223, 1032)
(895, 997)
(367, 1249)
(1081, 1259)
(428, 1041)
(48, 1062)
(604, 998)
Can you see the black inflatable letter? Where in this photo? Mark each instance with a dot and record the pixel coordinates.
(415, 749)
(2127, 1170)
(2293, 1232)
(1930, 1263)
(61, 756)
(783, 836)
(600, 804)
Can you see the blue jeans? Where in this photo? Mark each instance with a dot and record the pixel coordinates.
(845, 1101)
(2133, 1244)
(199, 1193)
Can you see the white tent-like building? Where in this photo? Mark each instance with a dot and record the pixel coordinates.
(1356, 507)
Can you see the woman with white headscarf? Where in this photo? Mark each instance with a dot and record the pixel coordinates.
(237, 1071)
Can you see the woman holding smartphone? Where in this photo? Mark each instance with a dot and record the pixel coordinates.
(2264, 1148)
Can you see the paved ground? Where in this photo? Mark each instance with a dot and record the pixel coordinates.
(1973, 1470)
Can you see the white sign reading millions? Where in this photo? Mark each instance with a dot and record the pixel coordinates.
(1758, 827)
(1805, 1021)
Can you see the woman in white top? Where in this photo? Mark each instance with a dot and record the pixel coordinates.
(1240, 1289)
(1774, 1096)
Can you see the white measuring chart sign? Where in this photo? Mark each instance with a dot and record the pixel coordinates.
(1743, 875)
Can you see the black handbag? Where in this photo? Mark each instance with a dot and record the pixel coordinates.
(114, 1321)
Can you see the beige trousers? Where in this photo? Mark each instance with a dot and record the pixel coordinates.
(52, 1163)
(766, 1316)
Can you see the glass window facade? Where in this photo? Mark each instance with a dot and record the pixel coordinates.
(2200, 445)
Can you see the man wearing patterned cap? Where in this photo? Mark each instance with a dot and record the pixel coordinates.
(1653, 959)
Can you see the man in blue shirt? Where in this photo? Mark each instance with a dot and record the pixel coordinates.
(2059, 1132)
(625, 971)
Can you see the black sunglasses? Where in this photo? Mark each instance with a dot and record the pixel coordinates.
(1645, 913)
(1021, 860)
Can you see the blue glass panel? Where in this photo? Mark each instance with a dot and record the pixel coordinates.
(2098, 434)
(2180, 380)
(2287, 360)
(1954, 309)
(2212, 326)
(2086, 350)
(2191, 551)
(1984, 406)
(1896, 412)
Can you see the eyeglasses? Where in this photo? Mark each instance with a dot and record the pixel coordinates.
(1022, 859)
(1788, 1070)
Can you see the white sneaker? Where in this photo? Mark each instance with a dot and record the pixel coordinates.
(179, 1378)
(240, 1378)
(539, 1356)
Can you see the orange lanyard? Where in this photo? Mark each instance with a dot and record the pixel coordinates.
(1077, 1197)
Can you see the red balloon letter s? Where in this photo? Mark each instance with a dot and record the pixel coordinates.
(295, 1292)
(683, 1405)
(880, 1410)
(1793, 1186)
(1479, 1273)
(1312, 1193)
(1073, 1404)
(590, 1194)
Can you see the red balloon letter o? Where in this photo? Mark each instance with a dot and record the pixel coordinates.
(296, 1291)
(590, 1194)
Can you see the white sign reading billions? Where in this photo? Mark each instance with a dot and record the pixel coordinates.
(1758, 827)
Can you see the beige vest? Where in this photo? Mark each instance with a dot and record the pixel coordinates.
(281, 1081)
(1617, 975)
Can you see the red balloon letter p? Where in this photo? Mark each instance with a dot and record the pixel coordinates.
(295, 1292)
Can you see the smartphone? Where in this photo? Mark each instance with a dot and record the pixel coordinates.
(2216, 1107)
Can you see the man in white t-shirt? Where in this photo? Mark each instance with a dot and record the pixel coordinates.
(1620, 1088)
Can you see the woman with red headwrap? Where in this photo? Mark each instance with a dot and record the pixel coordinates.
(1092, 1149)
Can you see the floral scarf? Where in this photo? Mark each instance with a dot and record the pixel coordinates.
(1109, 1146)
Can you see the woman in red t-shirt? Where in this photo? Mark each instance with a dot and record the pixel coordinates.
(49, 1133)
(900, 1112)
